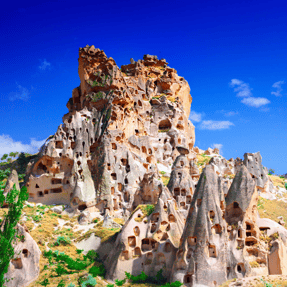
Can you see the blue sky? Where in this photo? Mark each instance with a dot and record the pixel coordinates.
(233, 55)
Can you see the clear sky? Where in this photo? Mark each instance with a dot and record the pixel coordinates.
(233, 55)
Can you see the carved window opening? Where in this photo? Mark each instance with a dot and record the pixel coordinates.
(126, 196)
(114, 176)
(183, 192)
(211, 215)
(56, 181)
(240, 268)
(155, 217)
(136, 231)
(112, 190)
(132, 241)
(212, 251)
(25, 253)
(114, 146)
(56, 190)
(191, 240)
(17, 263)
(176, 191)
(171, 218)
(46, 191)
(125, 255)
(187, 279)
(137, 252)
(217, 229)
(188, 199)
(37, 186)
(40, 194)
(59, 144)
(164, 125)
(82, 207)
(153, 228)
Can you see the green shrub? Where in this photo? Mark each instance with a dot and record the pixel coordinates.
(90, 282)
(120, 282)
(97, 270)
(91, 255)
(62, 240)
(45, 282)
(61, 283)
(15, 201)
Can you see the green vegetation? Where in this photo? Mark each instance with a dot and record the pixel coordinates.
(14, 199)
(271, 171)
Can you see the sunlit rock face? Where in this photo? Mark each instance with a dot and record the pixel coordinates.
(121, 131)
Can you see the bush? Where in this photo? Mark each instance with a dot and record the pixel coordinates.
(91, 255)
(91, 281)
(62, 240)
(97, 270)
(120, 282)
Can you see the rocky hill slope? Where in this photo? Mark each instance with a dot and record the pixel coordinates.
(121, 177)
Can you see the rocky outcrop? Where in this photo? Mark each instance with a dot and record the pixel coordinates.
(181, 184)
(202, 253)
(24, 268)
(148, 242)
(121, 124)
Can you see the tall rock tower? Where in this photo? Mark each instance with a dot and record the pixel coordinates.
(122, 128)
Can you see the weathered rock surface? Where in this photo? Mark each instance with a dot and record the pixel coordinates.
(120, 125)
(24, 268)
(148, 243)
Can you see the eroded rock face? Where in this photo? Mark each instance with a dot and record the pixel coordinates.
(253, 162)
(202, 252)
(148, 243)
(24, 268)
(121, 124)
(181, 184)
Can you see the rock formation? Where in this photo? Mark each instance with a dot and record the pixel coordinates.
(125, 129)
(121, 124)
(24, 268)
(148, 242)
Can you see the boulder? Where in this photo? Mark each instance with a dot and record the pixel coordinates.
(24, 268)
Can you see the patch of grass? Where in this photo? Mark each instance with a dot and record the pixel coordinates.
(277, 181)
(202, 159)
(165, 180)
(272, 208)
(119, 221)
(254, 264)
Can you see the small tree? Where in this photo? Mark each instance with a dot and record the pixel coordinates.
(4, 156)
(15, 200)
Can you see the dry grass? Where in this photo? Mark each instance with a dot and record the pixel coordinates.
(202, 159)
(119, 221)
(272, 208)
(165, 180)
(277, 181)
